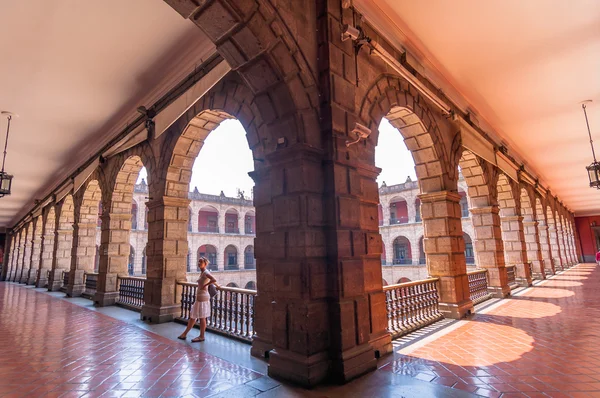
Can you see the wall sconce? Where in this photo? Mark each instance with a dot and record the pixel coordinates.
(360, 132)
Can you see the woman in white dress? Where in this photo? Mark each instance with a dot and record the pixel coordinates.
(201, 307)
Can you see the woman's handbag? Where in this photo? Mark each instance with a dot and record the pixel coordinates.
(212, 290)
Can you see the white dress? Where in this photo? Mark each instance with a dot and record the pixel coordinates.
(201, 307)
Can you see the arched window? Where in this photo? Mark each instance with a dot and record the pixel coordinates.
(250, 285)
(469, 253)
(402, 254)
(131, 263)
(208, 220)
(134, 214)
(249, 258)
(231, 258)
(250, 223)
(210, 252)
(231, 222)
(398, 211)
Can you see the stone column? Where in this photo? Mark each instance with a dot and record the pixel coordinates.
(574, 249)
(83, 256)
(554, 248)
(166, 255)
(19, 261)
(545, 250)
(46, 259)
(514, 248)
(24, 277)
(490, 248)
(62, 259)
(114, 256)
(534, 254)
(445, 251)
(241, 227)
(562, 249)
(221, 222)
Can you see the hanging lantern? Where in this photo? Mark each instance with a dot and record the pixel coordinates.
(593, 169)
(5, 178)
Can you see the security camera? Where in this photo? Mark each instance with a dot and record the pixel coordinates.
(350, 32)
(361, 132)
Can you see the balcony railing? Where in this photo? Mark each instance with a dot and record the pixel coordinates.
(249, 231)
(232, 310)
(478, 286)
(249, 265)
(512, 277)
(232, 230)
(411, 306)
(233, 267)
(208, 229)
(399, 220)
(131, 292)
(402, 261)
(90, 282)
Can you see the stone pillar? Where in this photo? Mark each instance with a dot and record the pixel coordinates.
(46, 259)
(445, 251)
(574, 249)
(554, 248)
(166, 255)
(241, 225)
(114, 256)
(490, 248)
(545, 250)
(221, 222)
(514, 248)
(19, 263)
(562, 251)
(534, 254)
(62, 259)
(24, 277)
(82, 257)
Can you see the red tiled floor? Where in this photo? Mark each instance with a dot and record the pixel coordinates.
(545, 342)
(53, 348)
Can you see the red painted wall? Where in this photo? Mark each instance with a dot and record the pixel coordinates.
(400, 208)
(203, 217)
(587, 240)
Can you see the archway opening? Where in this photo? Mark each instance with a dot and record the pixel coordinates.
(210, 253)
(249, 262)
(402, 251)
(469, 253)
(208, 220)
(231, 258)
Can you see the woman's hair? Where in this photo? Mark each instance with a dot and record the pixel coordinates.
(203, 260)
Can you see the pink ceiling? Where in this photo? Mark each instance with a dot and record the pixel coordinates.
(75, 71)
(523, 66)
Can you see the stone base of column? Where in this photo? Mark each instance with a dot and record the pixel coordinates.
(382, 344)
(56, 281)
(32, 277)
(499, 291)
(456, 310)
(521, 277)
(164, 314)
(75, 290)
(42, 280)
(104, 299)
(24, 276)
(309, 371)
(305, 371)
(260, 348)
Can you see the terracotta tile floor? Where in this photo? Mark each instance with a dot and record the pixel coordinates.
(53, 348)
(545, 342)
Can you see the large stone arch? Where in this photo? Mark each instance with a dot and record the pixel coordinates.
(540, 217)
(515, 253)
(119, 176)
(432, 141)
(36, 250)
(63, 244)
(530, 232)
(49, 220)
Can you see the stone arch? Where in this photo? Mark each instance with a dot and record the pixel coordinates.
(232, 284)
(36, 250)
(250, 285)
(553, 237)
(403, 280)
(63, 246)
(515, 250)
(390, 97)
(531, 232)
(402, 250)
(384, 282)
(49, 221)
(230, 255)
(469, 251)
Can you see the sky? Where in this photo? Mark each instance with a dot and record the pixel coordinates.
(225, 160)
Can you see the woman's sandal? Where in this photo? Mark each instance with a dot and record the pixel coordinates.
(197, 340)
(181, 337)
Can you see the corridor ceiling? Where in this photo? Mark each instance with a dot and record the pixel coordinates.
(523, 66)
(75, 72)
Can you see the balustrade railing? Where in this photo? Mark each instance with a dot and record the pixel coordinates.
(478, 286)
(131, 291)
(399, 220)
(90, 282)
(411, 306)
(232, 310)
(512, 277)
(402, 261)
(208, 228)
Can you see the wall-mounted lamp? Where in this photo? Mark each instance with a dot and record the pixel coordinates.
(360, 132)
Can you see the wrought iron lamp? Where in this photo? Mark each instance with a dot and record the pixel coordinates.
(5, 178)
(593, 169)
